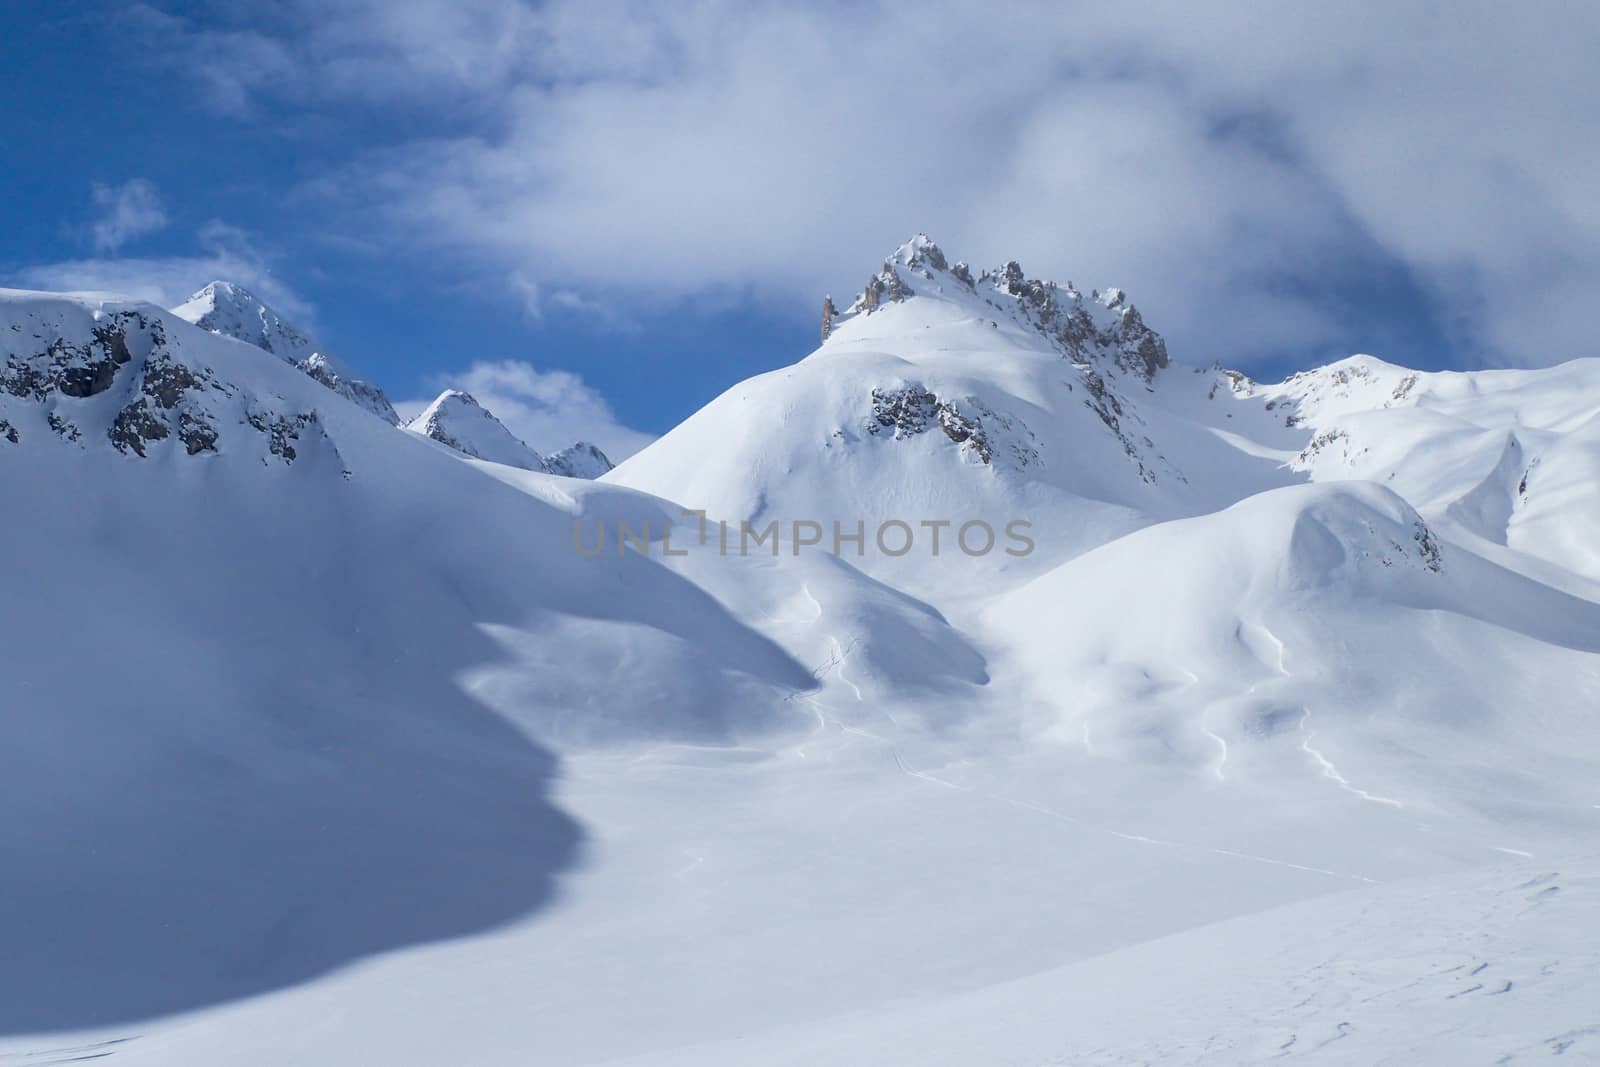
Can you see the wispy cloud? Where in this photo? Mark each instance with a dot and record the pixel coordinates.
(220, 251)
(547, 409)
(123, 212)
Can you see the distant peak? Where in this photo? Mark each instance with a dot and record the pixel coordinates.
(456, 396)
(219, 291)
(456, 420)
(580, 460)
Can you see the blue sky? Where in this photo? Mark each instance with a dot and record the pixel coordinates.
(646, 202)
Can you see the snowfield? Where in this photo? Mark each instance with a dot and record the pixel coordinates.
(326, 742)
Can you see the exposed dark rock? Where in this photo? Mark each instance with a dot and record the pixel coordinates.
(886, 287)
(137, 425)
(79, 370)
(912, 410)
(1139, 348)
(167, 382)
(197, 433)
(63, 428)
(828, 314)
(283, 433)
(924, 253)
(905, 411)
(1428, 547)
(1324, 440)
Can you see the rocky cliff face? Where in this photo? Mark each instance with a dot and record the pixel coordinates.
(118, 377)
(233, 311)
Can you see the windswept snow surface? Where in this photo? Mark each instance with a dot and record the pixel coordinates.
(1279, 745)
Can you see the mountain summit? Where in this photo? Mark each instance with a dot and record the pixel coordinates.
(1103, 326)
(457, 420)
(233, 311)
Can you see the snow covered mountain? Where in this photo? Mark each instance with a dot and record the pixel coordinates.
(944, 394)
(456, 420)
(1262, 723)
(233, 311)
(579, 460)
(89, 379)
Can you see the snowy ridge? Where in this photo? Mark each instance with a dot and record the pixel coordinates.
(1104, 327)
(456, 420)
(1468, 449)
(115, 375)
(232, 311)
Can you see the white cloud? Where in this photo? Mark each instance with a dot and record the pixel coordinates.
(526, 291)
(124, 212)
(224, 252)
(548, 409)
(1230, 166)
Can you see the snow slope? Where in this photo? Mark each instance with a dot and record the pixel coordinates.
(1279, 745)
(1506, 456)
(282, 639)
(1493, 967)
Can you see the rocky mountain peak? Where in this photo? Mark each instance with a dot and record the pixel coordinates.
(580, 460)
(87, 377)
(457, 420)
(1105, 327)
(233, 311)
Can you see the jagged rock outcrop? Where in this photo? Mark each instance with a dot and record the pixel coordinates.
(911, 410)
(233, 311)
(118, 376)
(885, 287)
(1102, 335)
(1105, 326)
(828, 314)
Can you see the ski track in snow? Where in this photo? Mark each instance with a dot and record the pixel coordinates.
(96, 1050)
(1329, 770)
(1332, 772)
(1205, 728)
